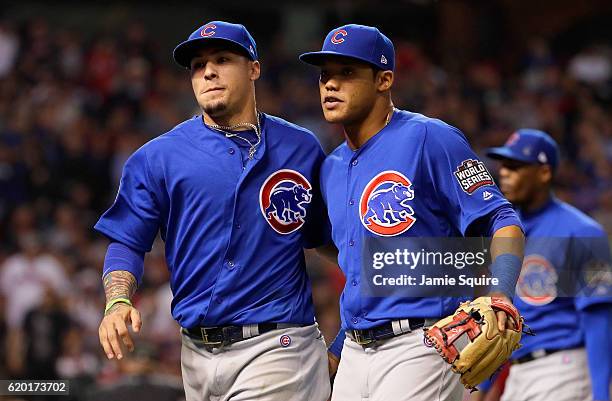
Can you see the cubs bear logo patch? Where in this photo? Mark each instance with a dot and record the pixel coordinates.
(383, 205)
(471, 175)
(283, 198)
(537, 284)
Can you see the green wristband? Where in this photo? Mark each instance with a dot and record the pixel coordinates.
(116, 301)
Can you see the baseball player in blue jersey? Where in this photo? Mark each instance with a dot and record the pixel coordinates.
(233, 193)
(397, 174)
(570, 357)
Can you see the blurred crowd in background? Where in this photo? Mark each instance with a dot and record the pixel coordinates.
(73, 108)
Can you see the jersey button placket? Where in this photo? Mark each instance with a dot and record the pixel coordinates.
(353, 231)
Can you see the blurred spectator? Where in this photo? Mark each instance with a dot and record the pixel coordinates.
(76, 363)
(26, 276)
(43, 332)
(3, 340)
(9, 46)
(592, 66)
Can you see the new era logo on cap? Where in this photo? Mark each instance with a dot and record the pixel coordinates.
(383, 59)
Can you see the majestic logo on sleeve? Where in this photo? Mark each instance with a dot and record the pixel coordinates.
(471, 175)
(383, 207)
(282, 198)
(537, 284)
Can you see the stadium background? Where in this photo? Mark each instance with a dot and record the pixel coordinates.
(84, 85)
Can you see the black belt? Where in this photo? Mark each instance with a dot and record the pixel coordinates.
(225, 335)
(382, 332)
(540, 353)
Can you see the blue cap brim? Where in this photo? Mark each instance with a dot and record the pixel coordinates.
(184, 52)
(317, 58)
(503, 152)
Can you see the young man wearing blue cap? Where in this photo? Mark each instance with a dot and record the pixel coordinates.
(568, 311)
(234, 195)
(433, 186)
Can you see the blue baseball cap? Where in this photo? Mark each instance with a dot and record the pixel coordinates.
(528, 146)
(215, 31)
(360, 42)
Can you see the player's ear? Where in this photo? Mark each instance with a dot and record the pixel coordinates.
(384, 80)
(545, 174)
(254, 70)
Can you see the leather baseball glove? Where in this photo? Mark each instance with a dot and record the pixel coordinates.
(470, 339)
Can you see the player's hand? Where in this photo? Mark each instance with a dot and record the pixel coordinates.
(332, 364)
(113, 330)
(503, 320)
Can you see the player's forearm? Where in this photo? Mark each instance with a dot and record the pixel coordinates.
(123, 270)
(508, 240)
(507, 249)
(118, 284)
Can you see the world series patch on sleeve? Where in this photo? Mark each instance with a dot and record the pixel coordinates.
(472, 174)
(470, 339)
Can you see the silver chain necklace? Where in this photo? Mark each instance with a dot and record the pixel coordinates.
(256, 128)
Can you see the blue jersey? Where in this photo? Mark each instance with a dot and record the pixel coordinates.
(557, 249)
(417, 177)
(234, 232)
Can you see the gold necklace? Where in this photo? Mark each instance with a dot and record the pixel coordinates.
(256, 128)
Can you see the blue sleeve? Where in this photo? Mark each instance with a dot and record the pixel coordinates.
(465, 188)
(486, 385)
(597, 326)
(122, 257)
(336, 346)
(503, 216)
(134, 217)
(317, 228)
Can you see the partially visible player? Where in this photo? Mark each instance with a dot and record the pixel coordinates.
(570, 357)
(234, 194)
(398, 174)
